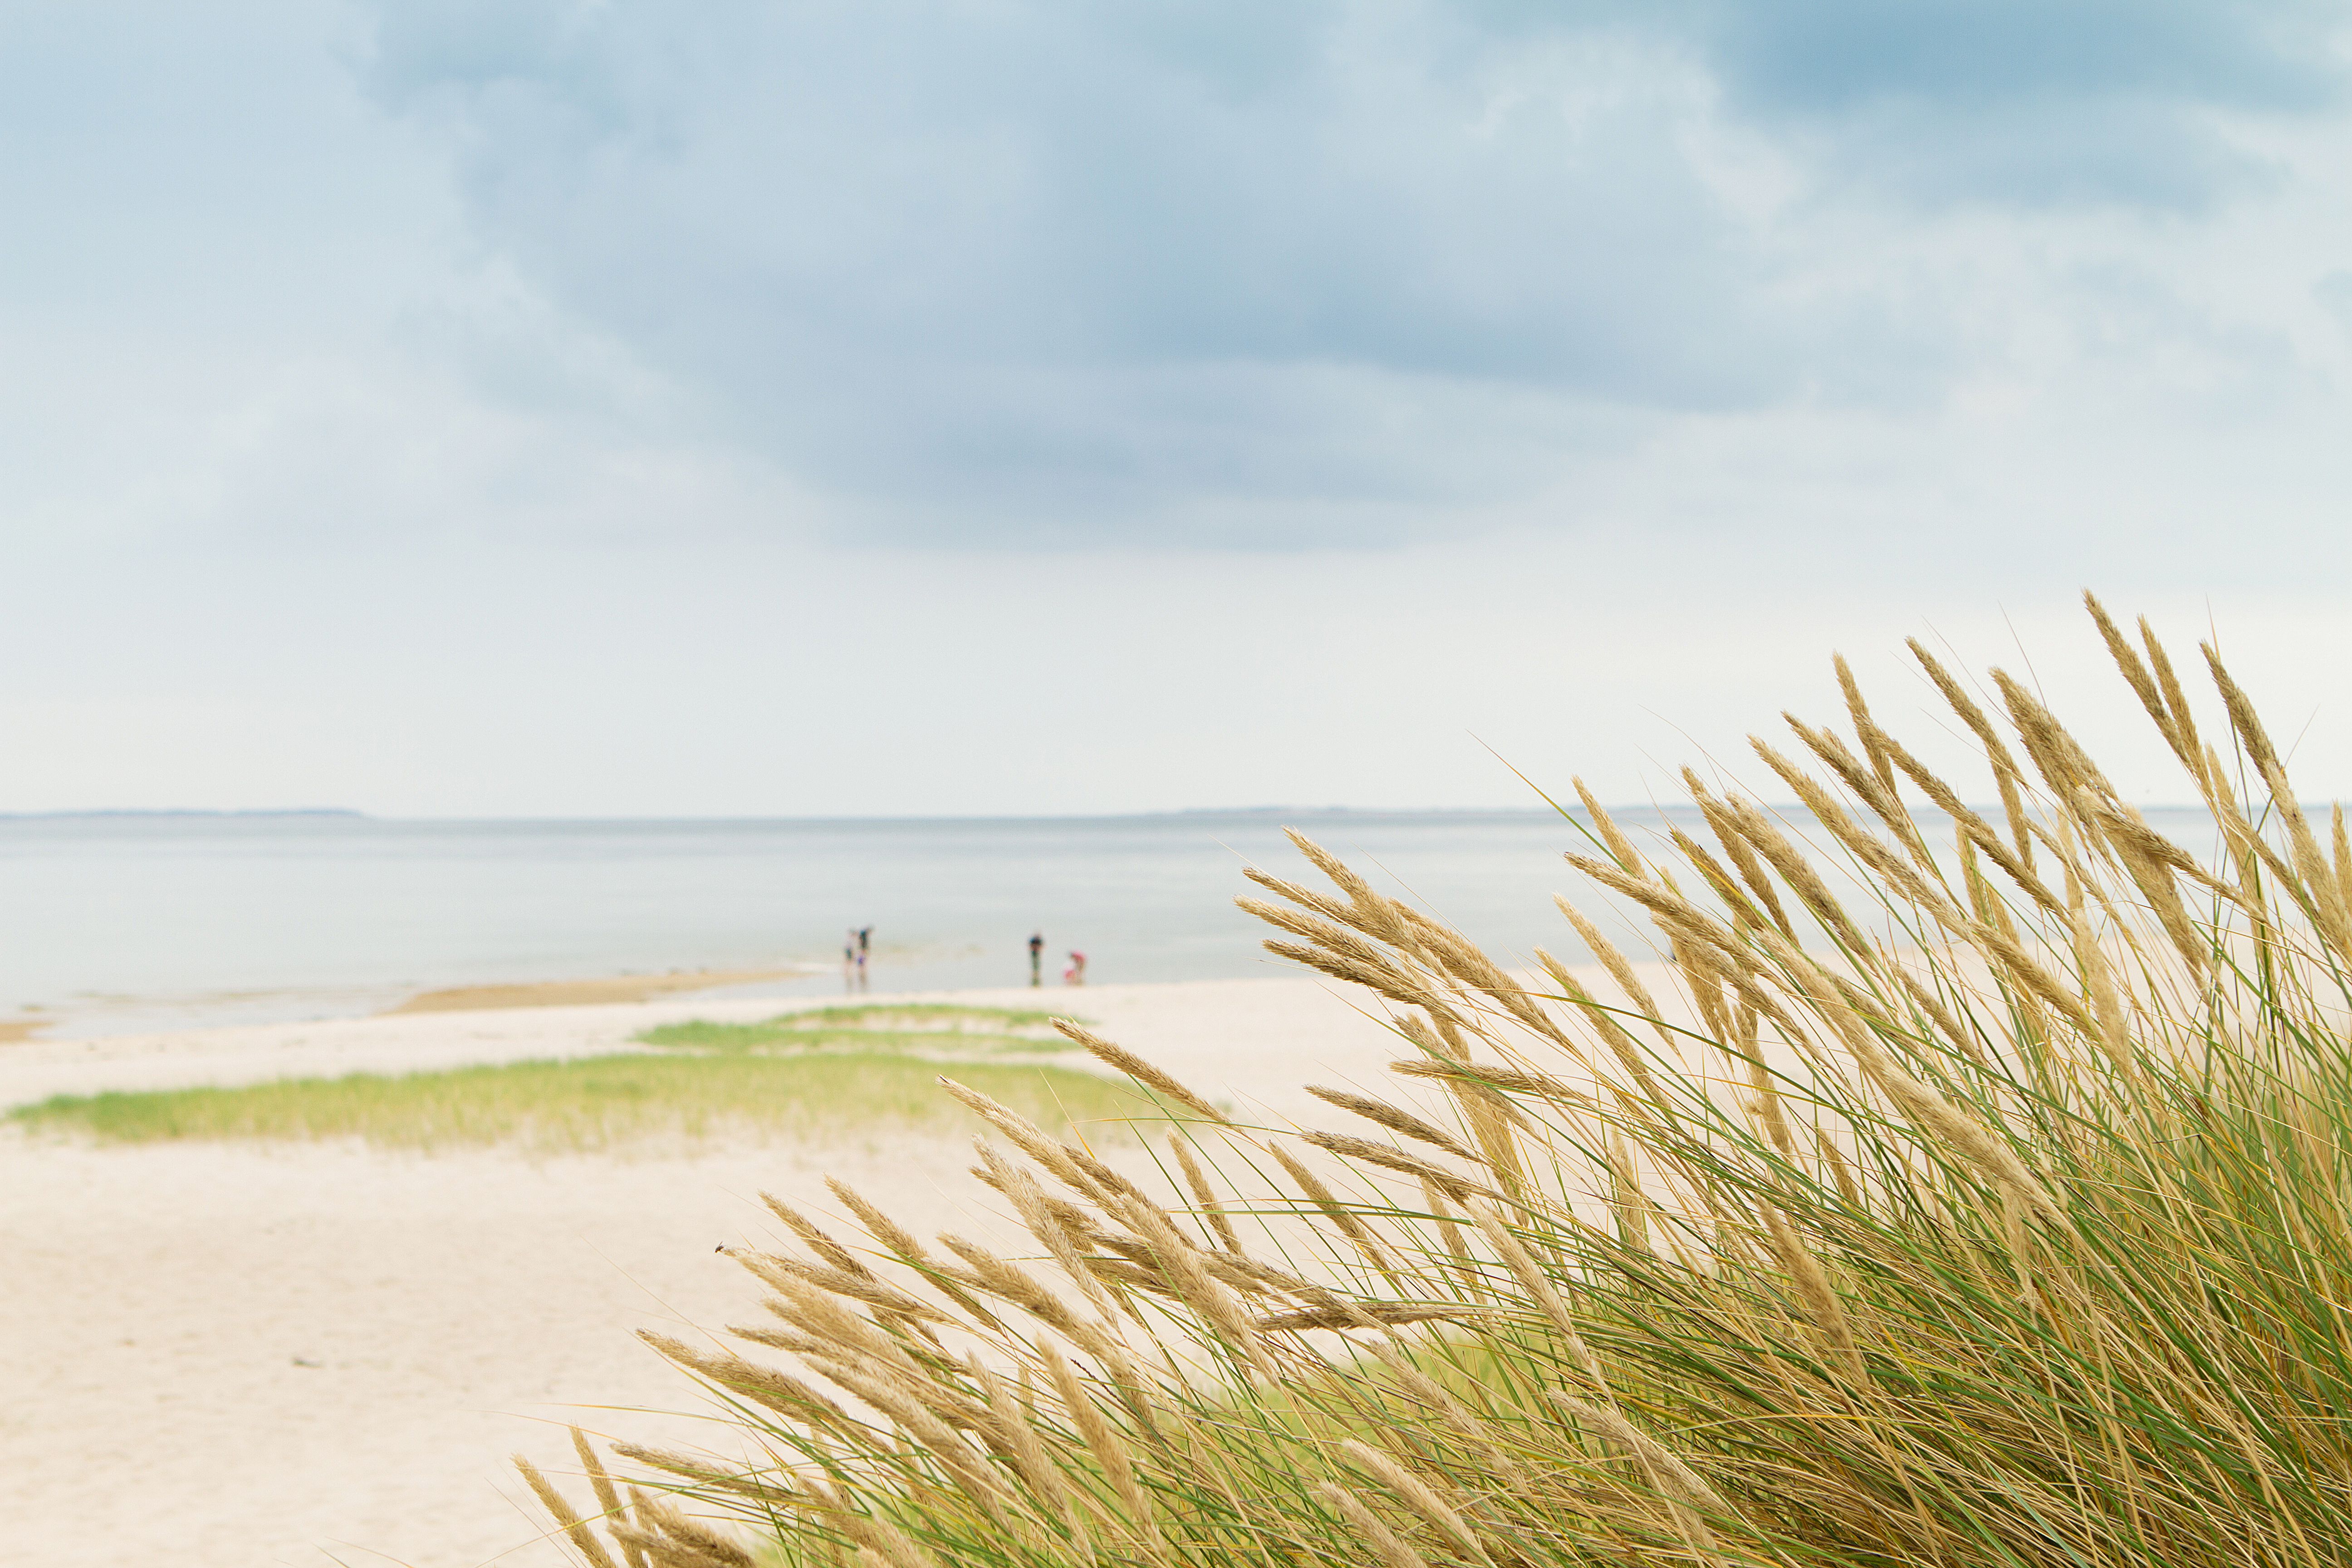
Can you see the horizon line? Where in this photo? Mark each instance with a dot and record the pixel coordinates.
(352, 814)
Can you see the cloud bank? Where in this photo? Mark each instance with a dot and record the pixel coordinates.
(1039, 273)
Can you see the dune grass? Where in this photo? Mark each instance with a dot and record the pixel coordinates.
(2008, 1225)
(853, 1068)
(936, 1029)
(902, 1015)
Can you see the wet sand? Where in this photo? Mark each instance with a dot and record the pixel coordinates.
(598, 992)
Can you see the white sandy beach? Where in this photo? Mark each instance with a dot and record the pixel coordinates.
(221, 1355)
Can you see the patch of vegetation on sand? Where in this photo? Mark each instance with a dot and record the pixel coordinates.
(940, 1031)
(920, 1015)
(716, 1084)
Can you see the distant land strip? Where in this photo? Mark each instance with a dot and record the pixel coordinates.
(175, 812)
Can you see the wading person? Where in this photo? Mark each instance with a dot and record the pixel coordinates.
(1036, 958)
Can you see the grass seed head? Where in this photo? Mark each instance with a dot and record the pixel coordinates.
(1386, 1544)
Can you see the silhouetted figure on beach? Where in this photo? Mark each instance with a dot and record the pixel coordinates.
(1037, 958)
(1076, 973)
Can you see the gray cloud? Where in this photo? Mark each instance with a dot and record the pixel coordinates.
(1814, 56)
(2025, 102)
(1046, 272)
(1050, 261)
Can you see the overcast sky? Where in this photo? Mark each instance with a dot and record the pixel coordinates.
(772, 407)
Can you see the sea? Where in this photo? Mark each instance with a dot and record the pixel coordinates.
(124, 924)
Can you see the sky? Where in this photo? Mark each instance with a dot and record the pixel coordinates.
(800, 408)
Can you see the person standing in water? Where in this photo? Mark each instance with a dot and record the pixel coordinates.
(1076, 973)
(1036, 958)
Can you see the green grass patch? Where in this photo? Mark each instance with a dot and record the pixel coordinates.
(933, 1029)
(945, 1016)
(826, 1071)
(600, 1103)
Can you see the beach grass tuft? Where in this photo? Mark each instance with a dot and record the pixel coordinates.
(2003, 1222)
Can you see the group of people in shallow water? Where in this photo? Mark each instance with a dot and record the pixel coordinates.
(858, 950)
(1074, 975)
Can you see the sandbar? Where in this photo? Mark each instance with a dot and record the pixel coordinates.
(604, 989)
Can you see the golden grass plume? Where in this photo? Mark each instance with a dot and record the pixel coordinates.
(1996, 1212)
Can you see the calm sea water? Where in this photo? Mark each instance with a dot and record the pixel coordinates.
(119, 923)
(112, 925)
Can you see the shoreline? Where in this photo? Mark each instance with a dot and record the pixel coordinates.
(101, 1018)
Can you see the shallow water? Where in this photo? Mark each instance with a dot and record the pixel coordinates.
(113, 924)
(121, 923)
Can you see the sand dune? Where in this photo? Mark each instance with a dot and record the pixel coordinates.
(225, 1355)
